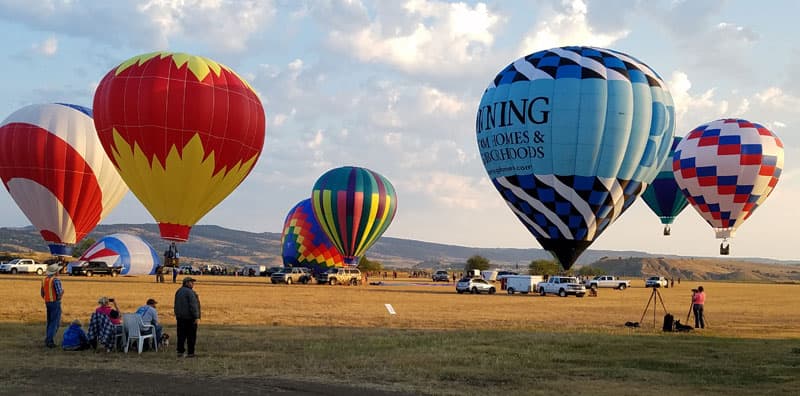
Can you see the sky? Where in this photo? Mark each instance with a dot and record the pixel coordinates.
(394, 86)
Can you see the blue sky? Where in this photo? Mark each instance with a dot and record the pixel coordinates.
(394, 86)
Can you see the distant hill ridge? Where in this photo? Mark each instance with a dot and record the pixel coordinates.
(215, 244)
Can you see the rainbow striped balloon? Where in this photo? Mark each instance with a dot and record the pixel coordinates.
(354, 206)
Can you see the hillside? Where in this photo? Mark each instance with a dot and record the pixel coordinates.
(214, 244)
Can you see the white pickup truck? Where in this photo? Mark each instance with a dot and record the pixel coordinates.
(561, 285)
(613, 282)
(21, 265)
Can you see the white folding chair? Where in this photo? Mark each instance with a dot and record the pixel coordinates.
(135, 329)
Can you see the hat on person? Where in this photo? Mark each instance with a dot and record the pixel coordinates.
(188, 279)
(52, 269)
(103, 300)
(77, 322)
(150, 301)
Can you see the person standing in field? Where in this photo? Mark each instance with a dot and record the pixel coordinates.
(187, 314)
(698, 302)
(51, 292)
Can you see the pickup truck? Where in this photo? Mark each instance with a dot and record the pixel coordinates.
(21, 265)
(607, 281)
(561, 285)
(89, 268)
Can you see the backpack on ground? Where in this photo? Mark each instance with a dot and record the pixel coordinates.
(669, 323)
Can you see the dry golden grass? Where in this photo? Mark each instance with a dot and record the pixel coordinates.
(736, 310)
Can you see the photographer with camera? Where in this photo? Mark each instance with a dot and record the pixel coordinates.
(698, 302)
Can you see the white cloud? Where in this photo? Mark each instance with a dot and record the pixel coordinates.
(450, 191)
(224, 26)
(48, 47)
(568, 27)
(431, 36)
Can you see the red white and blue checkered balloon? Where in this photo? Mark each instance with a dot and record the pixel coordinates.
(726, 169)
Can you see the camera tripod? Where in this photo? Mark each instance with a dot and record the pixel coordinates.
(655, 296)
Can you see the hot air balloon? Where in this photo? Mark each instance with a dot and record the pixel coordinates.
(663, 196)
(570, 137)
(726, 169)
(54, 167)
(183, 130)
(132, 253)
(354, 206)
(303, 242)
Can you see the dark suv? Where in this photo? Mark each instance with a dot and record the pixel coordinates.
(90, 268)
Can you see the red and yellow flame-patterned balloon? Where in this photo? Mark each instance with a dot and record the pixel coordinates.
(183, 131)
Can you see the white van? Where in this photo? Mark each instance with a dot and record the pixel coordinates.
(522, 283)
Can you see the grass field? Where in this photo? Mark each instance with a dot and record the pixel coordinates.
(439, 342)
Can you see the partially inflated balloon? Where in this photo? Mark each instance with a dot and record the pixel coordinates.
(570, 137)
(52, 163)
(304, 243)
(132, 253)
(726, 169)
(354, 206)
(184, 132)
(663, 196)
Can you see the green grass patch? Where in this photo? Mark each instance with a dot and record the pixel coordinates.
(449, 362)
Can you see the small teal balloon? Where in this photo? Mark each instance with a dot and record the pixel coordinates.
(570, 137)
(663, 196)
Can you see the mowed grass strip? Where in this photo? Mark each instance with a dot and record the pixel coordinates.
(445, 362)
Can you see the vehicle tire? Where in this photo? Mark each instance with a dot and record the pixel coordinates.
(460, 291)
(304, 281)
(622, 286)
(542, 292)
(562, 293)
(288, 281)
(492, 290)
(580, 295)
(39, 271)
(89, 273)
(332, 282)
(474, 290)
(13, 271)
(511, 291)
(273, 281)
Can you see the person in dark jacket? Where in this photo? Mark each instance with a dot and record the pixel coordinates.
(187, 314)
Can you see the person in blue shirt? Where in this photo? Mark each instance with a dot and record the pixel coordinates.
(149, 316)
(75, 338)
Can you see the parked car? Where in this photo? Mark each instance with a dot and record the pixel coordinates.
(90, 268)
(189, 270)
(291, 275)
(656, 281)
(441, 276)
(23, 266)
(607, 281)
(562, 285)
(340, 276)
(474, 286)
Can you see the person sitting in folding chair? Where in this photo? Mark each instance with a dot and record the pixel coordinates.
(149, 316)
(101, 332)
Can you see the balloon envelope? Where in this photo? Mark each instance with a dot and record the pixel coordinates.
(726, 169)
(354, 206)
(304, 243)
(132, 253)
(570, 137)
(663, 196)
(184, 132)
(53, 165)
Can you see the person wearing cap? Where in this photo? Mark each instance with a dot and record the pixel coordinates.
(187, 314)
(51, 292)
(149, 316)
(75, 338)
